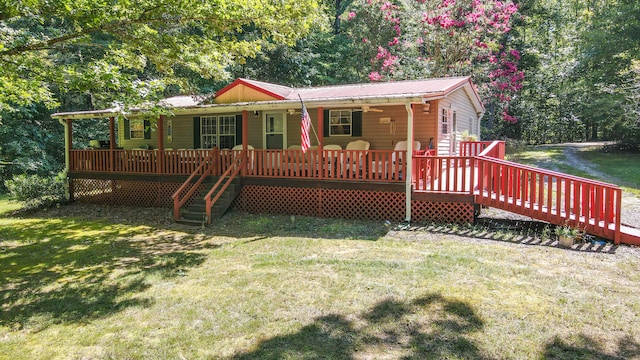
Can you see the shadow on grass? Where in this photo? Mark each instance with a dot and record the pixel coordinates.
(588, 348)
(234, 224)
(430, 327)
(56, 271)
(524, 232)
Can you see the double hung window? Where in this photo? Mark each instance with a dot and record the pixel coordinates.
(218, 131)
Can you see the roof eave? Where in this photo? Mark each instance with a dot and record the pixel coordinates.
(263, 105)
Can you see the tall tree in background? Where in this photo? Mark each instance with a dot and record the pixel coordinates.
(415, 39)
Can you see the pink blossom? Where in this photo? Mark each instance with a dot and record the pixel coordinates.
(389, 61)
(351, 15)
(374, 76)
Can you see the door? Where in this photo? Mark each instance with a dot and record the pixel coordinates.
(275, 131)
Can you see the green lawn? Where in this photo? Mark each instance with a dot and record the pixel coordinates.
(273, 287)
(7, 206)
(624, 167)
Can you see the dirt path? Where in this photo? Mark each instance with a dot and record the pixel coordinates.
(630, 203)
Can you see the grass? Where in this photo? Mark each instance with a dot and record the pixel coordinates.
(272, 287)
(623, 167)
(548, 157)
(7, 206)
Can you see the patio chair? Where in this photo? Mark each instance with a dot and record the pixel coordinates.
(391, 169)
(402, 146)
(251, 154)
(332, 157)
(362, 147)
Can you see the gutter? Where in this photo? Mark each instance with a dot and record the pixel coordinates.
(326, 103)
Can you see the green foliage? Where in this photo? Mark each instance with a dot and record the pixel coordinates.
(36, 191)
(130, 52)
(582, 80)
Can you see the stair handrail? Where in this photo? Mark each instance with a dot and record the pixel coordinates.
(177, 202)
(231, 176)
(494, 150)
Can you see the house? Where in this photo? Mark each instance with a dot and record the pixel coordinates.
(388, 151)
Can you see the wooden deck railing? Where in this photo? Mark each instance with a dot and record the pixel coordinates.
(557, 198)
(364, 165)
(179, 162)
(473, 148)
(206, 167)
(444, 174)
(223, 183)
(369, 165)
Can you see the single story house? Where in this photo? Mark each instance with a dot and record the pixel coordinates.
(403, 150)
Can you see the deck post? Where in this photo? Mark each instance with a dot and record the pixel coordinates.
(160, 157)
(67, 154)
(409, 163)
(112, 142)
(245, 141)
(320, 139)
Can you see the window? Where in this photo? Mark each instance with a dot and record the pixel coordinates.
(136, 129)
(340, 123)
(218, 131)
(445, 121)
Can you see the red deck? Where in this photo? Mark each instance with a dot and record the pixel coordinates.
(557, 198)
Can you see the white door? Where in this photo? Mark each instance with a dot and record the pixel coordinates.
(275, 131)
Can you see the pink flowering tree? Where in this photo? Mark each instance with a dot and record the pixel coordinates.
(438, 38)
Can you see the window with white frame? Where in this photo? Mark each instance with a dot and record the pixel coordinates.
(218, 131)
(445, 121)
(340, 123)
(136, 129)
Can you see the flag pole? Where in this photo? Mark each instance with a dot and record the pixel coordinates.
(311, 123)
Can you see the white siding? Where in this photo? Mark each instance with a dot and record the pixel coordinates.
(466, 120)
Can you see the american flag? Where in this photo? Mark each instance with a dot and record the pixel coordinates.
(305, 125)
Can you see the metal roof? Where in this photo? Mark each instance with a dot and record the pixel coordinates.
(284, 96)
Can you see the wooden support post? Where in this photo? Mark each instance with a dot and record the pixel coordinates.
(69, 147)
(112, 142)
(70, 134)
(321, 159)
(245, 141)
(160, 157)
(409, 164)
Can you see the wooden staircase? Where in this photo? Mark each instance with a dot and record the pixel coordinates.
(196, 213)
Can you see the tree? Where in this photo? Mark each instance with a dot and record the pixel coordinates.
(131, 51)
(413, 39)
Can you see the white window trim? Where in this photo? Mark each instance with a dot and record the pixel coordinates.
(444, 121)
(217, 131)
(331, 134)
(284, 128)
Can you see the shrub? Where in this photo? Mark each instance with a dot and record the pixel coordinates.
(36, 191)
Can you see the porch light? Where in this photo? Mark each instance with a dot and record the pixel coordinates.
(426, 107)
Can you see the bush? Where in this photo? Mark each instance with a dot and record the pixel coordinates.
(36, 191)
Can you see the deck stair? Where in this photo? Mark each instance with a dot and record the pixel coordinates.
(195, 214)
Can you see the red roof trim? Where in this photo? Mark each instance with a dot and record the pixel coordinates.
(241, 81)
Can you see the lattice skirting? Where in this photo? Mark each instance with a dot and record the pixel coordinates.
(124, 192)
(441, 212)
(334, 203)
(348, 204)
